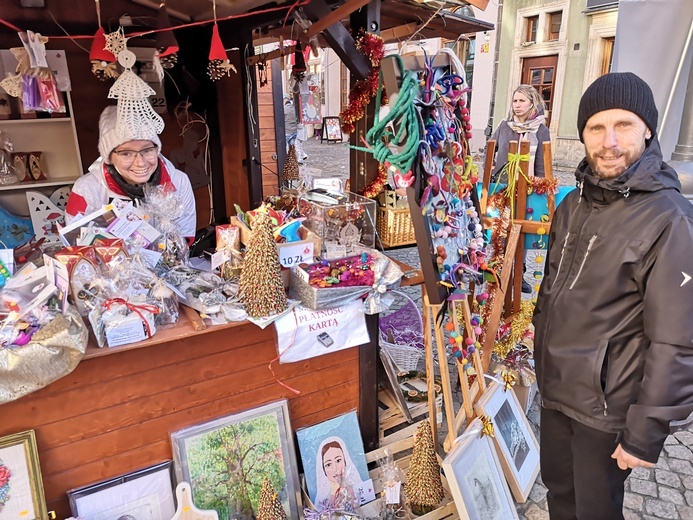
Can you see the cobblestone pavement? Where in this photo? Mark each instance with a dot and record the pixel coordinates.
(664, 492)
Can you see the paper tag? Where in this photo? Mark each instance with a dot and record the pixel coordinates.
(127, 332)
(123, 228)
(294, 254)
(392, 491)
(148, 231)
(333, 250)
(151, 258)
(365, 491)
(218, 258)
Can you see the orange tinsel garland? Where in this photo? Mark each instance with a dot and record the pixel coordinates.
(372, 46)
(375, 187)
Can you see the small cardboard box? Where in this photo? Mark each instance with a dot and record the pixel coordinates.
(525, 394)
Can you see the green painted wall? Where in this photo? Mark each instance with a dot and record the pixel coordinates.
(577, 32)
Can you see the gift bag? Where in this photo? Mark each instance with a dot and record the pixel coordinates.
(53, 352)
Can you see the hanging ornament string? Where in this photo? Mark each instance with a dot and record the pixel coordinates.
(372, 46)
(403, 116)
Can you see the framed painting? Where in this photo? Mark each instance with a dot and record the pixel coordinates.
(331, 129)
(515, 443)
(226, 460)
(332, 454)
(145, 494)
(21, 486)
(476, 478)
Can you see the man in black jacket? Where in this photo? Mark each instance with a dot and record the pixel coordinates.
(613, 328)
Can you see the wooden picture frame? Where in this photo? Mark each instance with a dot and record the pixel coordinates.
(200, 459)
(331, 129)
(476, 479)
(391, 373)
(21, 485)
(145, 493)
(517, 447)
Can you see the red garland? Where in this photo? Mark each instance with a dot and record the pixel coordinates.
(372, 46)
(542, 185)
(375, 187)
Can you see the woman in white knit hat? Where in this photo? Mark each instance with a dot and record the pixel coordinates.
(123, 169)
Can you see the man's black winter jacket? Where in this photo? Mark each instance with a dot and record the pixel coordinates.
(614, 317)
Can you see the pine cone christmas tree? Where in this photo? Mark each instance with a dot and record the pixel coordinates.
(261, 286)
(290, 171)
(423, 487)
(270, 507)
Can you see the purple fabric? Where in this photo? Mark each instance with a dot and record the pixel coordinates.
(405, 325)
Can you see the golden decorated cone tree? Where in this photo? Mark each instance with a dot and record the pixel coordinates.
(423, 487)
(270, 507)
(261, 286)
(290, 171)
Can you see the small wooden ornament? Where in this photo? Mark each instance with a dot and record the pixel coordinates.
(34, 166)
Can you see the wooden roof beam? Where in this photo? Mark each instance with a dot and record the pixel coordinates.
(335, 16)
(339, 39)
(401, 31)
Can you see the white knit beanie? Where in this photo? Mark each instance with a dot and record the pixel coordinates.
(109, 139)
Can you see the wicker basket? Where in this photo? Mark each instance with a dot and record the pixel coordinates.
(394, 227)
(405, 327)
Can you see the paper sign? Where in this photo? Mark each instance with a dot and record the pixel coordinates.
(218, 258)
(298, 253)
(305, 333)
(333, 250)
(127, 332)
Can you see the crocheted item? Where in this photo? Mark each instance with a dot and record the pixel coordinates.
(135, 116)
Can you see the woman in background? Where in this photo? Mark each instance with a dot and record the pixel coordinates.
(525, 122)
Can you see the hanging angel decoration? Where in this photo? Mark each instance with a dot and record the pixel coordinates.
(135, 116)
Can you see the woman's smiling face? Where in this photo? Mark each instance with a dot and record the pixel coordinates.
(135, 160)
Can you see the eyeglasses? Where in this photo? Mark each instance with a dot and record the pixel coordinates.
(130, 155)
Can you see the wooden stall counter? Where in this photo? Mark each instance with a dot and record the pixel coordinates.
(115, 412)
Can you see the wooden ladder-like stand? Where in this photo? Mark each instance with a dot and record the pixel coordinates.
(513, 259)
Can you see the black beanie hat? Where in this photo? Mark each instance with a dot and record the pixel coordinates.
(622, 90)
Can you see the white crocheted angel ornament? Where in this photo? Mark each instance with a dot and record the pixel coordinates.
(135, 118)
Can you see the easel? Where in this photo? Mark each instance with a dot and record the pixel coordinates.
(511, 278)
(470, 391)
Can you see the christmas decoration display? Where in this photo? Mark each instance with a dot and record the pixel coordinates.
(373, 189)
(167, 46)
(372, 46)
(270, 507)
(424, 487)
(135, 116)
(219, 65)
(261, 286)
(103, 64)
(290, 170)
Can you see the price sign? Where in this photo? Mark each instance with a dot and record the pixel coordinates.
(291, 255)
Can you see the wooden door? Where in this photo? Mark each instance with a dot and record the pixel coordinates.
(541, 74)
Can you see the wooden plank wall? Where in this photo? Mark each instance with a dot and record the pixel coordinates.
(115, 414)
(268, 142)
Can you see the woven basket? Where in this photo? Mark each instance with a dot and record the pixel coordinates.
(406, 327)
(394, 227)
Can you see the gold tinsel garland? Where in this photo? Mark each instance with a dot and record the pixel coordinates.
(518, 327)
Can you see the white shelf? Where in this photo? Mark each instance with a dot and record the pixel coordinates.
(35, 120)
(36, 184)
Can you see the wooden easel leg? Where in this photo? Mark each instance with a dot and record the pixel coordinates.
(430, 369)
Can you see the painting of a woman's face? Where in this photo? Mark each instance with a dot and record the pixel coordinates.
(333, 463)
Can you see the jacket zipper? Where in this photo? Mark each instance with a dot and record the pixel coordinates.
(560, 262)
(584, 259)
(606, 408)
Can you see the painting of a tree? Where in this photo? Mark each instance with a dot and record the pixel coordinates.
(227, 465)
